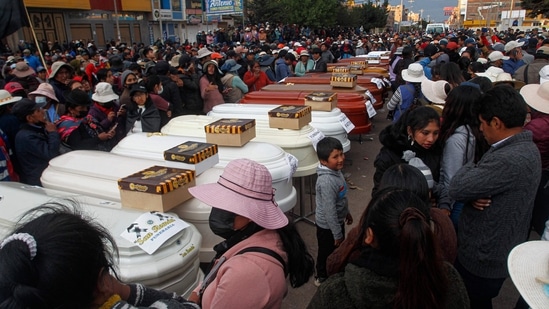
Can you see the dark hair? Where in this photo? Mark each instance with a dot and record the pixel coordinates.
(102, 75)
(325, 147)
(152, 81)
(416, 118)
(451, 73)
(72, 250)
(289, 56)
(484, 83)
(459, 110)
(400, 224)
(505, 103)
(300, 262)
(406, 176)
(477, 67)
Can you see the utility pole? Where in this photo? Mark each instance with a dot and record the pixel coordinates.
(116, 16)
(401, 14)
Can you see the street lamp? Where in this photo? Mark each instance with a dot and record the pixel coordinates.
(401, 14)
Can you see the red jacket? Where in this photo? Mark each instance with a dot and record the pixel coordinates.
(256, 83)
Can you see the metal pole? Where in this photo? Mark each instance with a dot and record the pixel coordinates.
(401, 13)
(116, 16)
(511, 13)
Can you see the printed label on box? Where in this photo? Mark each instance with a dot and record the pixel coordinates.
(315, 137)
(293, 163)
(152, 229)
(370, 109)
(346, 123)
(371, 96)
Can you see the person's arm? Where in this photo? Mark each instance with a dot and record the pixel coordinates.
(478, 181)
(250, 79)
(238, 83)
(204, 84)
(452, 160)
(395, 100)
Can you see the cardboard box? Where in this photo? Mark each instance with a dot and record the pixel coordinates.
(290, 117)
(321, 101)
(230, 132)
(343, 80)
(157, 188)
(192, 155)
(356, 69)
(340, 70)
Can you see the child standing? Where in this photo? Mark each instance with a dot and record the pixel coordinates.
(332, 211)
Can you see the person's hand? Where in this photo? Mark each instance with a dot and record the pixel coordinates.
(169, 114)
(349, 219)
(104, 136)
(194, 298)
(212, 86)
(482, 203)
(519, 54)
(111, 116)
(121, 112)
(446, 211)
(50, 127)
(227, 90)
(338, 242)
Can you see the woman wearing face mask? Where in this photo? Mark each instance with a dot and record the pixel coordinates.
(46, 95)
(77, 130)
(155, 89)
(106, 113)
(127, 79)
(142, 116)
(261, 246)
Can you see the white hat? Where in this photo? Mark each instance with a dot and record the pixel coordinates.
(434, 91)
(359, 44)
(104, 93)
(414, 73)
(6, 98)
(492, 73)
(506, 78)
(513, 44)
(304, 53)
(527, 262)
(537, 96)
(544, 74)
(497, 55)
(482, 60)
(203, 52)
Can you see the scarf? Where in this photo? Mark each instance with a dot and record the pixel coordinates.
(66, 125)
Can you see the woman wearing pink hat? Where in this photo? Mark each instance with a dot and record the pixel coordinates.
(261, 246)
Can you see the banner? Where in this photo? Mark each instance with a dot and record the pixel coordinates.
(12, 17)
(219, 7)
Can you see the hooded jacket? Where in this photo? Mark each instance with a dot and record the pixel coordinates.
(331, 200)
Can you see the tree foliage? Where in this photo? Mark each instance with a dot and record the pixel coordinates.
(537, 7)
(317, 13)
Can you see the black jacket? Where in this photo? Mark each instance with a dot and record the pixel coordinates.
(171, 94)
(192, 100)
(150, 119)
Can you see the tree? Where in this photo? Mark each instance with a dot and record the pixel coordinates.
(536, 7)
(313, 13)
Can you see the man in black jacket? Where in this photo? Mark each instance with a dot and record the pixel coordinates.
(320, 65)
(170, 90)
(36, 143)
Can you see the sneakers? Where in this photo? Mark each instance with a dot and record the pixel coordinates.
(318, 281)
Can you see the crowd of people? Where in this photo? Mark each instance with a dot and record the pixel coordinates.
(460, 180)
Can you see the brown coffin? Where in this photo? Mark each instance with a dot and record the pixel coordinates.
(351, 104)
(324, 79)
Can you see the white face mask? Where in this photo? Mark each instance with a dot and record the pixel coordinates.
(160, 90)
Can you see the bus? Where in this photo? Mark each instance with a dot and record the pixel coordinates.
(436, 28)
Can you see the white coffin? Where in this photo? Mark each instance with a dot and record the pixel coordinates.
(295, 142)
(95, 173)
(325, 122)
(174, 267)
(151, 147)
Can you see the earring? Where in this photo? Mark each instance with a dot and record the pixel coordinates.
(411, 140)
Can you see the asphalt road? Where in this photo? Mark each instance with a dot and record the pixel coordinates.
(360, 164)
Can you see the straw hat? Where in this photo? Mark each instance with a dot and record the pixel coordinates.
(537, 96)
(506, 78)
(304, 53)
(245, 188)
(435, 92)
(414, 73)
(6, 98)
(528, 263)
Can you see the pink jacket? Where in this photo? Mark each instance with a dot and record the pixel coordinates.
(250, 280)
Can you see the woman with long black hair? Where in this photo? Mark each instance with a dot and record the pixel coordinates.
(211, 86)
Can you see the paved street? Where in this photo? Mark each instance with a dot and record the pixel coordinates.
(360, 165)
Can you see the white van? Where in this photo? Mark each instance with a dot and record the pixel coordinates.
(436, 28)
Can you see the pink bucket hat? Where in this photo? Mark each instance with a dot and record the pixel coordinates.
(45, 89)
(246, 189)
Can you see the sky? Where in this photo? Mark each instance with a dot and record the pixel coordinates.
(431, 8)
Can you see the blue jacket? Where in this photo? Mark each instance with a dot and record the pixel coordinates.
(331, 200)
(34, 149)
(282, 70)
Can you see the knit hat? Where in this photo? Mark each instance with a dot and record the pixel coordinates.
(410, 157)
(125, 75)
